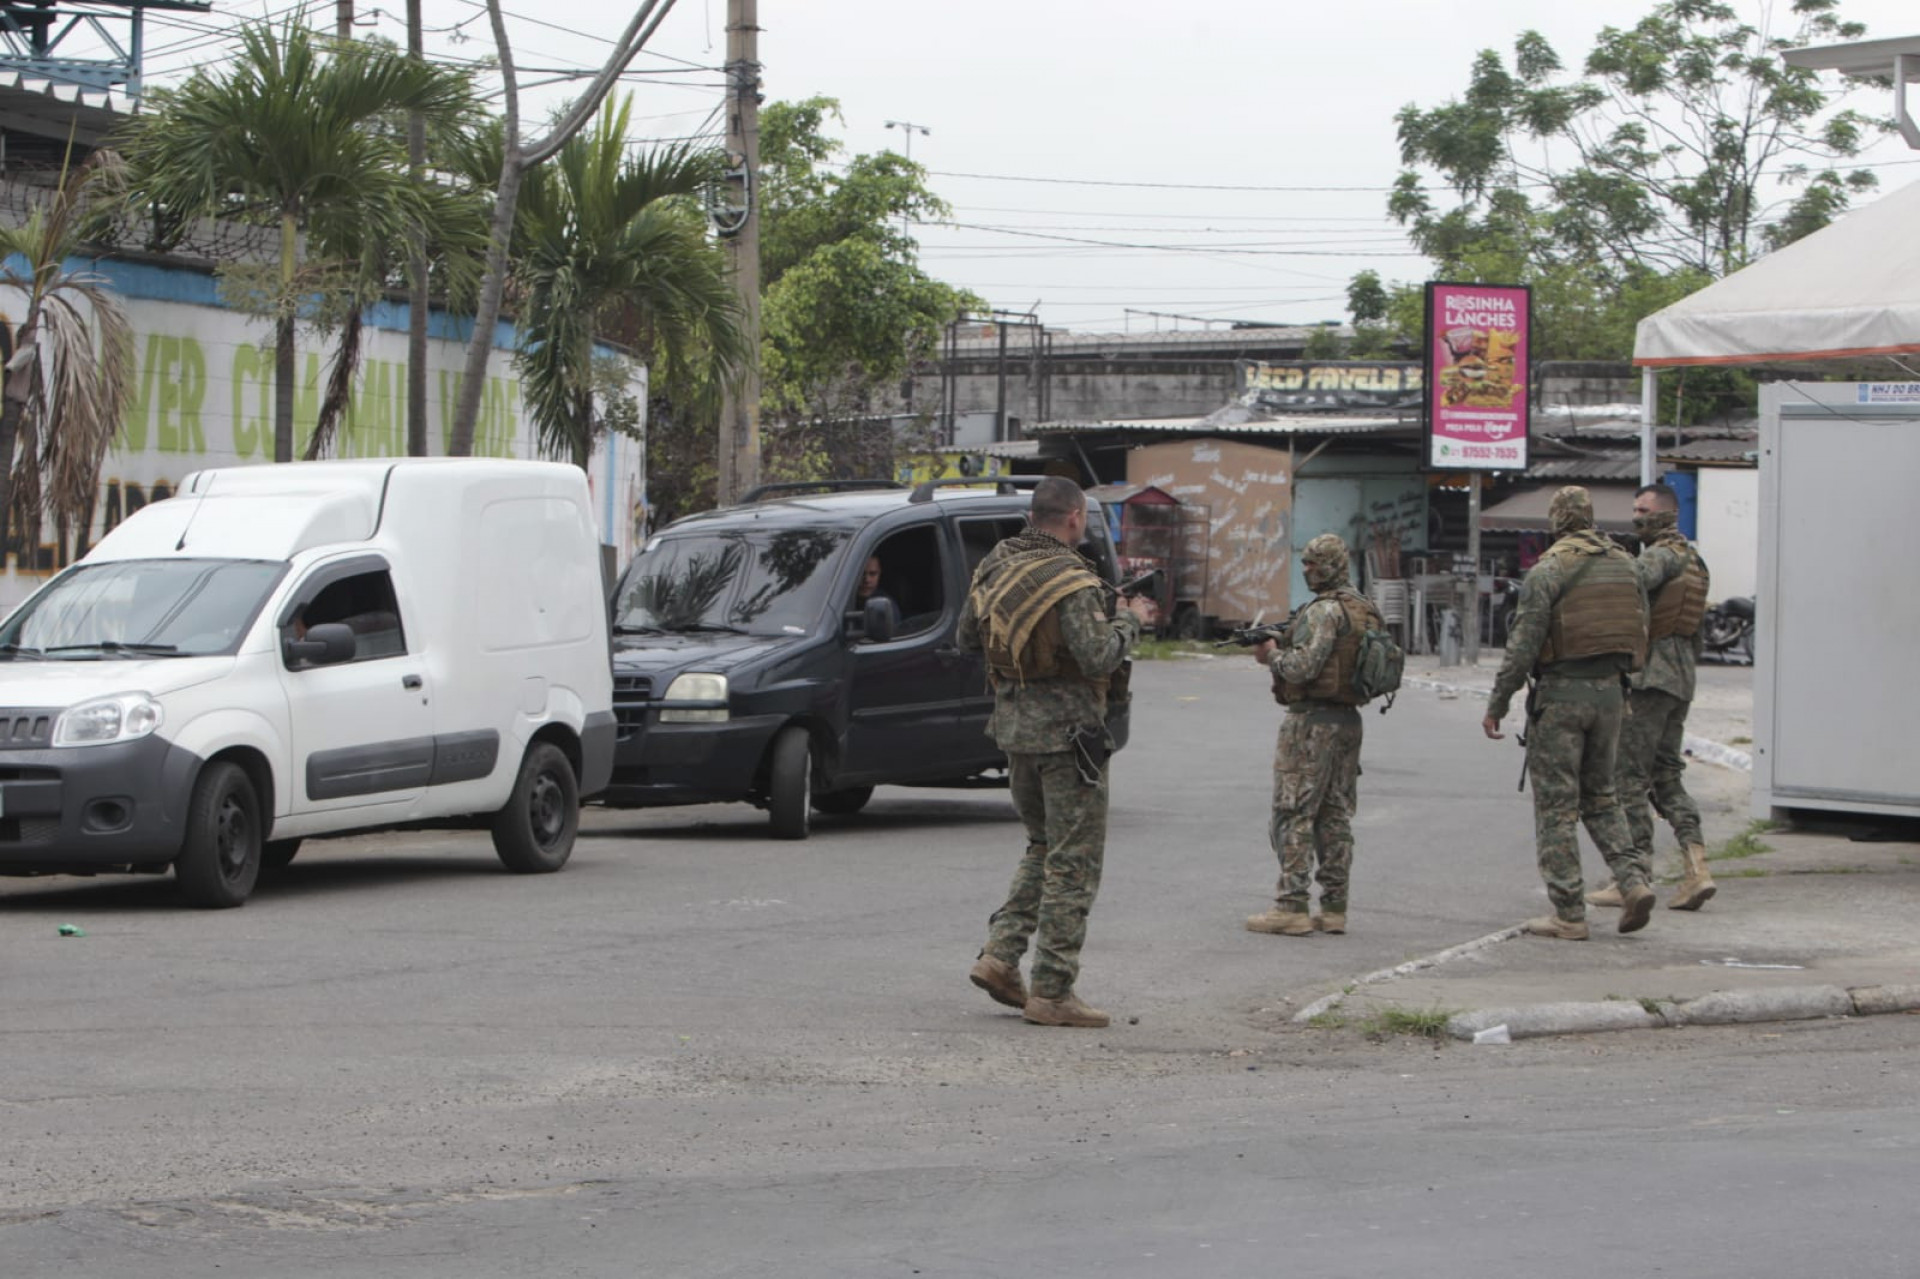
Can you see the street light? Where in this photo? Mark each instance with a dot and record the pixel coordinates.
(1897, 59)
(909, 128)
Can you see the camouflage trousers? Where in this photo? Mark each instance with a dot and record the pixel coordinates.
(1570, 759)
(1650, 764)
(1054, 885)
(1316, 772)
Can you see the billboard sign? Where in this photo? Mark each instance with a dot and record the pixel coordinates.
(1476, 399)
(1291, 386)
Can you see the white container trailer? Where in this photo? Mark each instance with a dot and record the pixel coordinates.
(1836, 701)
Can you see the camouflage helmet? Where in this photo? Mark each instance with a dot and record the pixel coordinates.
(1324, 562)
(1571, 511)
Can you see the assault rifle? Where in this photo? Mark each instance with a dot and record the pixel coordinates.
(1147, 584)
(1255, 633)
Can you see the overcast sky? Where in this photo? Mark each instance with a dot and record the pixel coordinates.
(1055, 117)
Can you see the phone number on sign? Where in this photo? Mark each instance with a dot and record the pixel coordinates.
(1489, 453)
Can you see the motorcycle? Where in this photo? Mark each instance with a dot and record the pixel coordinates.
(1727, 630)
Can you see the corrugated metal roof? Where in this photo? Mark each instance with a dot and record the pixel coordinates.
(1293, 424)
(1610, 466)
(1739, 451)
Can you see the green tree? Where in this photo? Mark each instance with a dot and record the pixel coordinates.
(610, 245)
(69, 368)
(298, 133)
(1663, 155)
(846, 307)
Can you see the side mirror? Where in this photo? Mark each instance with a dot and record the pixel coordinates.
(325, 645)
(882, 619)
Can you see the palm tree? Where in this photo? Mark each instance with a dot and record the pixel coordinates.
(299, 133)
(69, 374)
(612, 247)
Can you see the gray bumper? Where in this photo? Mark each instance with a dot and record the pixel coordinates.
(93, 807)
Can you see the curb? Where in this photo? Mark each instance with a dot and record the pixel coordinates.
(1701, 748)
(1721, 1008)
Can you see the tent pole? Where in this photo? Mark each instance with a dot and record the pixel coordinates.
(1649, 407)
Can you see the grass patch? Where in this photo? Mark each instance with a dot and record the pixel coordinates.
(1332, 1019)
(1153, 650)
(1651, 1007)
(1430, 1023)
(1739, 741)
(1750, 872)
(1746, 844)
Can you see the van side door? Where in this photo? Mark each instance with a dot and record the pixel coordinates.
(362, 729)
(979, 534)
(904, 695)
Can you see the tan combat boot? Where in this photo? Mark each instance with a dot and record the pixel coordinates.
(1608, 894)
(1331, 921)
(1064, 1011)
(999, 979)
(1558, 928)
(1697, 886)
(1636, 907)
(1283, 923)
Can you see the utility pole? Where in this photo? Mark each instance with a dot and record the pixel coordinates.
(343, 19)
(740, 412)
(417, 299)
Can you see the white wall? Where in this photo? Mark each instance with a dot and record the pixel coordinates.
(1729, 528)
(203, 397)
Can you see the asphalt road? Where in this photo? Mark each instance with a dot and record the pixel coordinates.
(701, 1052)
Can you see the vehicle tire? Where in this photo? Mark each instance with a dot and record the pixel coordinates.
(790, 784)
(534, 833)
(841, 803)
(219, 860)
(276, 853)
(1187, 624)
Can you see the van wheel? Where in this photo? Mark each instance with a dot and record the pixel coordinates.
(1186, 624)
(219, 860)
(790, 784)
(840, 803)
(276, 853)
(534, 833)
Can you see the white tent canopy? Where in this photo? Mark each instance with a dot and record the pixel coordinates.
(1849, 289)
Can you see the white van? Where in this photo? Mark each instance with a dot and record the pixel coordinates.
(310, 649)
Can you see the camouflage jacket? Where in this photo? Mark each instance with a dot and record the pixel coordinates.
(1309, 643)
(1032, 717)
(1670, 661)
(1539, 592)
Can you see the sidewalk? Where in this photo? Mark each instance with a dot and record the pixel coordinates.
(1802, 918)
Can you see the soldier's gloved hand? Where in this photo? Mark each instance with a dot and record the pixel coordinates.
(1491, 727)
(1264, 650)
(1143, 608)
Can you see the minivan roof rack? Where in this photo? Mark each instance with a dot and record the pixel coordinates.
(1004, 485)
(765, 491)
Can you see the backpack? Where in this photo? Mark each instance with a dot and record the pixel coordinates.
(1378, 665)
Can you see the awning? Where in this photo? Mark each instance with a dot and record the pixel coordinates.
(1526, 511)
(1849, 289)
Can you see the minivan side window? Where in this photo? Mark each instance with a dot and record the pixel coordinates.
(978, 536)
(365, 603)
(913, 576)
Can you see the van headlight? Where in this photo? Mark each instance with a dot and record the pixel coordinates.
(120, 718)
(707, 695)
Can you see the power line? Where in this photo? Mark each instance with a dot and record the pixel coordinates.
(1157, 186)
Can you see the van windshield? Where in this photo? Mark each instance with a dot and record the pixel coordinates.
(758, 583)
(141, 608)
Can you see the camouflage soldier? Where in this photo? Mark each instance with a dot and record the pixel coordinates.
(1039, 612)
(1581, 627)
(1676, 581)
(1316, 765)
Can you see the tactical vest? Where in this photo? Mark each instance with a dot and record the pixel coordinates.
(1046, 655)
(1682, 601)
(1600, 611)
(1334, 683)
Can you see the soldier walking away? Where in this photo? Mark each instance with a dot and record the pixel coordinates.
(1316, 764)
(1039, 612)
(1580, 628)
(1676, 582)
